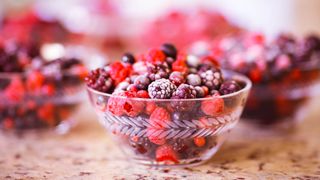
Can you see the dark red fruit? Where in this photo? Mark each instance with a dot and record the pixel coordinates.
(159, 117)
(229, 87)
(169, 50)
(99, 80)
(128, 58)
(119, 72)
(177, 78)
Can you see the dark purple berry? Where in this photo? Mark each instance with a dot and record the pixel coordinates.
(158, 71)
(142, 145)
(169, 50)
(211, 78)
(177, 78)
(99, 80)
(200, 92)
(142, 82)
(229, 87)
(161, 89)
(184, 91)
(128, 58)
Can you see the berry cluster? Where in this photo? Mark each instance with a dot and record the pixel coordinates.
(25, 76)
(163, 74)
(275, 67)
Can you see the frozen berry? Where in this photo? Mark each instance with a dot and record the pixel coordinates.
(180, 64)
(213, 107)
(158, 71)
(177, 78)
(143, 94)
(142, 82)
(200, 92)
(142, 145)
(184, 91)
(155, 139)
(165, 153)
(128, 58)
(229, 87)
(169, 50)
(99, 80)
(180, 146)
(161, 89)
(119, 72)
(194, 79)
(155, 56)
(122, 86)
(159, 117)
(211, 78)
(199, 141)
(193, 61)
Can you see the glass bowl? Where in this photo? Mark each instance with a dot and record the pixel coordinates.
(169, 132)
(33, 101)
(285, 102)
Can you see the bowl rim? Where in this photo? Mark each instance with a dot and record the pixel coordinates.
(238, 76)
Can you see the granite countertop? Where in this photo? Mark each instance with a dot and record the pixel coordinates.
(88, 153)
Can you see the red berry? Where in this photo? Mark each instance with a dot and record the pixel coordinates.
(180, 64)
(159, 117)
(213, 107)
(8, 123)
(155, 56)
(155, 139)
(199, 141)
(143, 94)
(48, 89)
(120, 106)
(119, 72)
(167, 154)
(151, 106)
(255, 75)
(81, 71)
(15, 91)
(46, 113)
(35, 80)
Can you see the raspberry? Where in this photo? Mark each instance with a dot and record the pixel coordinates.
(120, 106)
(169, 50)
(213, 107)
(46, 113)
(99, 80)
(158, 71)
(142, 82)
(199, 141)
(177, 78)
(151, 106)
(161, 89)
(128, 58)
(159, 117)
(119, 72)
(180, 64)
(211, 78)
(184, 91)
(155, 56)
(143, 94)
(166, 153)
(48, 89)
(155, 139)
(229, 87)
(194, 79)
(210, 60)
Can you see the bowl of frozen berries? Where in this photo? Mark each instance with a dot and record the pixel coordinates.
(167, 108)
(37, 93)
(285, 73)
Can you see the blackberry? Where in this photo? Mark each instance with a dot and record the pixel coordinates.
(204, 67)
(161, 89)
(142, 82)
(229, 87)
(211, 78)
(158, 71)
(169, 50)
(99, 80)
(194, 79)
(184, 91)
(128, 58)
(177, 78)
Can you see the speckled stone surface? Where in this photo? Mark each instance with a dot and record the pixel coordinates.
(88, 153)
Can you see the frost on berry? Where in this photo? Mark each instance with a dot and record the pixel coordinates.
(161, 89)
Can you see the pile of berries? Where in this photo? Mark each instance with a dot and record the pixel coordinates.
(275, 67)
(32, 88)
(176, 27)
(162, 74)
